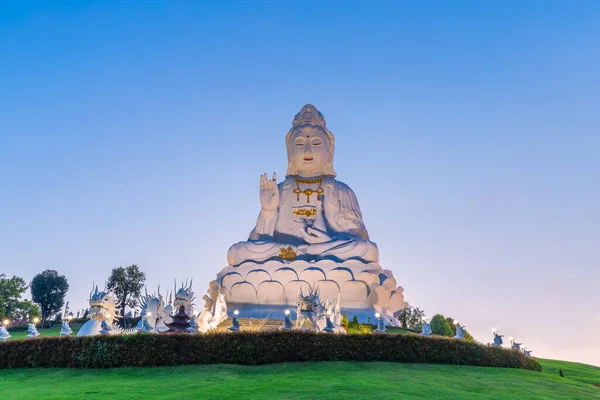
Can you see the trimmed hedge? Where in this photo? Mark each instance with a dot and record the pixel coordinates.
(147, 350)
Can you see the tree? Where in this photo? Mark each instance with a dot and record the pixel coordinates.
(410, 317)
(345, 321)
(127, 283)
(48, 289)
(440, 326)
(354, 323)
(11, 304)
(10, 293)
(27, 309)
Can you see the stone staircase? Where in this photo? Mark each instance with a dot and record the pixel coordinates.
(253, 324)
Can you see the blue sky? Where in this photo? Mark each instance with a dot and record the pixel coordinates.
(469, 130)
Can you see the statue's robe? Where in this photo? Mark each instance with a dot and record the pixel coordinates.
(334, 211)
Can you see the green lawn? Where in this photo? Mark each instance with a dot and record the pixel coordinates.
(332, 380)
(54, 331)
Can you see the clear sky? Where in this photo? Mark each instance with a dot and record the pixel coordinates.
(469, 130)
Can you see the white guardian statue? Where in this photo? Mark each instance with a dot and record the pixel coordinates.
(4, 335)
(309, 235)
(32, 331)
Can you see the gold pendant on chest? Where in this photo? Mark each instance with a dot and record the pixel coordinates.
(308, 192)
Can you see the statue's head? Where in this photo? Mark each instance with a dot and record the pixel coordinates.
(309, 145)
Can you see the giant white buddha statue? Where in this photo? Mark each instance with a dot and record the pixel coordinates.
(310, 215)
(309, 235)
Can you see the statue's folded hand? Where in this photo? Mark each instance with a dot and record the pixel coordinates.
(313, 235)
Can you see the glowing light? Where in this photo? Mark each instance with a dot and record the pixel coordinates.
(328, 312)
(36, 320)
(455, 322)
(5, 322)
(70, 317)
(377, 315)
(148, 314)
(236, 312)
(107, 316)
(287, 312)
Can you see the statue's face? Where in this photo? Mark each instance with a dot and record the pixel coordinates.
(309, 153)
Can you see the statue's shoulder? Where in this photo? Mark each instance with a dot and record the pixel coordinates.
(338, 186)
(286, 183)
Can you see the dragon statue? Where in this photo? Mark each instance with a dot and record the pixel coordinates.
(184, 297)
(324, 316)
(155, 315)
(103, 307)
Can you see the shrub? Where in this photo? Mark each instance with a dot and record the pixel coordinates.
(440, 326)
(345, 321)
(146, 350)
(360, 328)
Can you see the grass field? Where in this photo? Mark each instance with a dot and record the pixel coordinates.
(332, 380)
(54, 331)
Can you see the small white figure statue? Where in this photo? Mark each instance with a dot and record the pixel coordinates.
(235, 324)
(287, 323)
(106, 328)
(145, 326)
(329, 326)
(33, 332)
(426, 329)
(460, 331)
(65, 329)
(514, 345)
(4, 335)
(193, 329)
(380, 324)
(497, 339)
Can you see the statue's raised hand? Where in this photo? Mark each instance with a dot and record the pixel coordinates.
(269, 193)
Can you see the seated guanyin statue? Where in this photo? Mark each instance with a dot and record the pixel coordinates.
(309, 235)
(310, 215)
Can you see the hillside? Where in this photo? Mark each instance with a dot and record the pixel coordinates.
(333, 380)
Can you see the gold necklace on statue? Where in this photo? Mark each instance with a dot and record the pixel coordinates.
(308, 192)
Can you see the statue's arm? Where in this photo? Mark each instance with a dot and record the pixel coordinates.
(265, 225)
(346, 213)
